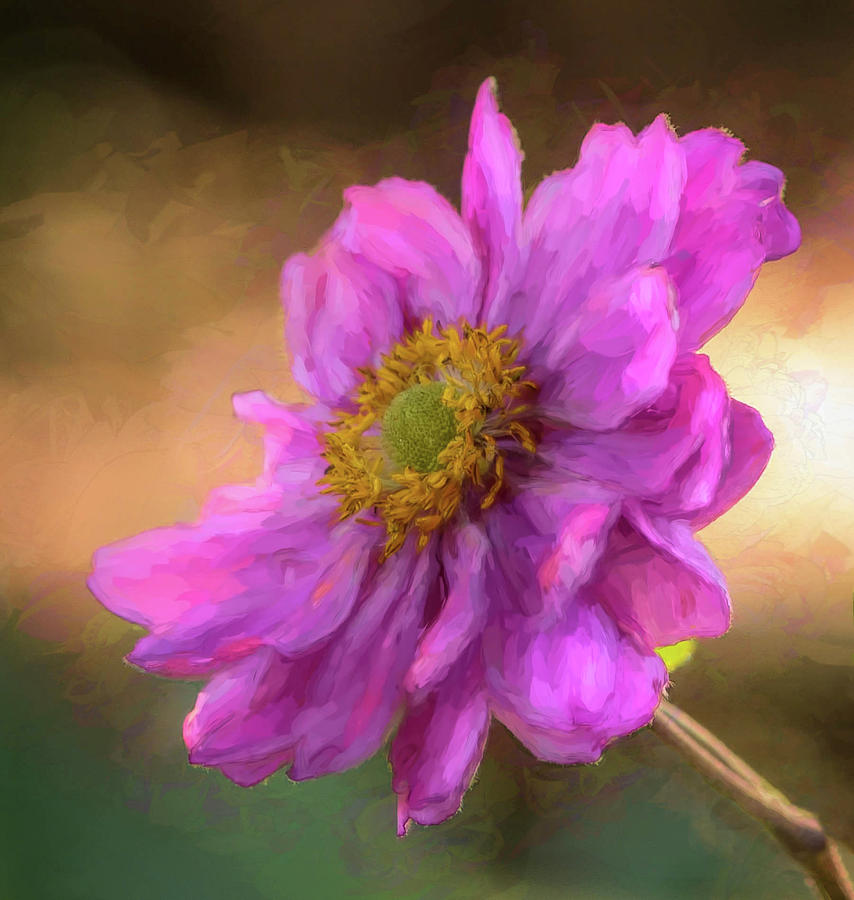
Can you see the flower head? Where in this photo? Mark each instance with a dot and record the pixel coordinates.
(489, 509)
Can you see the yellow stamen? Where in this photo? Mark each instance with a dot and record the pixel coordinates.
(442, 404)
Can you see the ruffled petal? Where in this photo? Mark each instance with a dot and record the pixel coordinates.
(341, 313)
(324, 711)
(409, 231)
(568, 690)
(615, 210)
(750, 448)
(661, 583)
(673, 445)
(234, 583)
(547, 542)
(779, 230)
(464, 554)
(242, 722)
(614, 357)
(358, 688)
(263, 565)
(439, 746)
(492, 200)
(732, 219)
(291, 433)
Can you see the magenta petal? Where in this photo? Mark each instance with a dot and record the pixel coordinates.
(409, 231)
(341, 313)
(242, 720)
(291, 454)
(213, 592)
(263, 565)
(732, 219)
(750, 448)
(615, 210)
(661, 583)
(697, 480)
(324, 711)
(290, 432)
(439, 746)
(236, 586)
(647, 455)
(780, 232)
(463, 614)
(567, 690)
(492, 200)
(614, 357)
(581, 540)
(547, 542)
(351, 702)
(155, 577)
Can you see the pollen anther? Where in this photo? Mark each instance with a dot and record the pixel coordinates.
(413, 455)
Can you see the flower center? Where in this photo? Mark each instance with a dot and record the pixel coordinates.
(433, 424)
(417, 426)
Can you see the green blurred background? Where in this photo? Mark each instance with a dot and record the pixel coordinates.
(158, 162)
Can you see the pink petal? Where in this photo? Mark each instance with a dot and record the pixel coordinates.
(646, 456)
(291, 432)
(242, 721)
(492, 200)
(324, 711)
(779, 230)
(614, 357)
(439, 746)
(263, 565)
(463, 557)
(547, 542)
(351, 702)
(697, 480)
(568, 690)
(292, 448)
(732, 219)
(249, 774)
(407, 230)
(141, 578)
(341, 313)
(581, 540)
(661, 584)
(615, 210)
(750, 448)
(235, 583)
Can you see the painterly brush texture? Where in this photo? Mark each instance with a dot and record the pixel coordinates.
(543, 607)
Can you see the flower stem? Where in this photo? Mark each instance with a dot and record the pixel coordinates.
(797, 830)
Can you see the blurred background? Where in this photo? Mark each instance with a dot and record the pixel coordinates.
(158, 162)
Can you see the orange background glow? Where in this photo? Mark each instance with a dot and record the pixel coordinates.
(138, 291)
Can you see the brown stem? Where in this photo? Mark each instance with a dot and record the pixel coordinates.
(798, 831)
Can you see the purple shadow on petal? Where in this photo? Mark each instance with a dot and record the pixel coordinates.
(646, 456)
(351, 703)
(439, 745)
(464, 552)
(566, 691)
(780, 232)
(661, 584)
(614, 357)
(751, 445)
(242, 720)
(547, 541)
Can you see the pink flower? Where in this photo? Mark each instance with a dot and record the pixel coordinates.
(490, 508)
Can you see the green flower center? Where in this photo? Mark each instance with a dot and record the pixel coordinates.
(417, 426)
